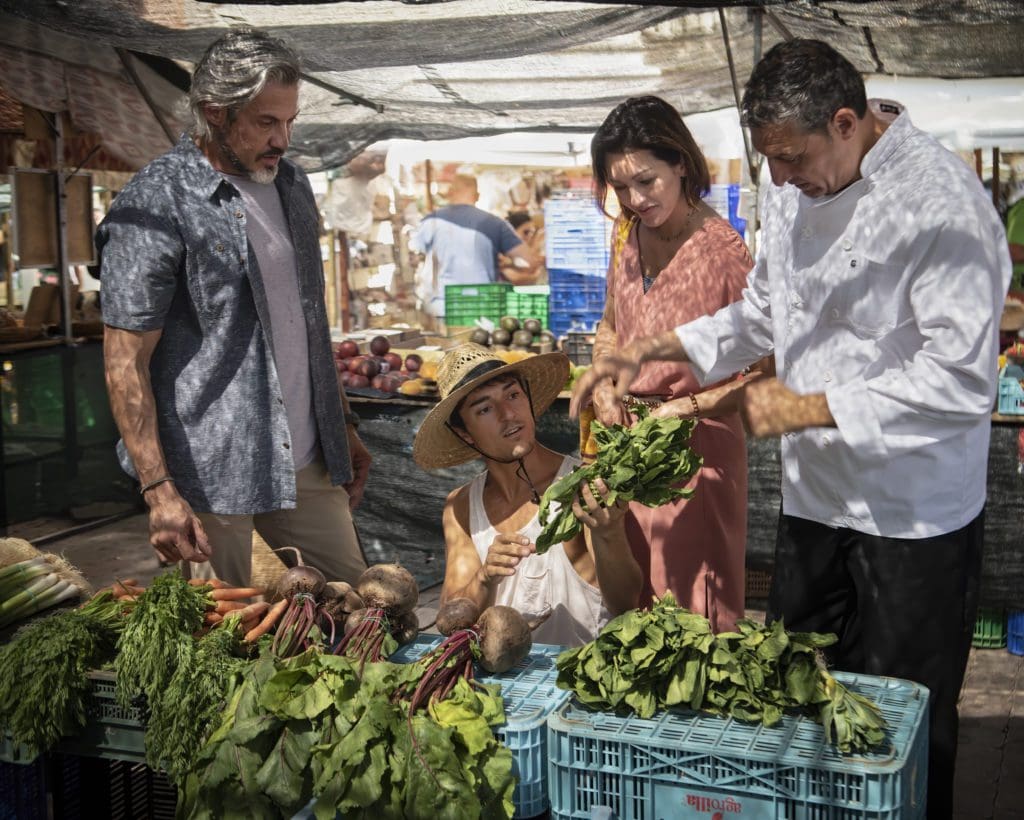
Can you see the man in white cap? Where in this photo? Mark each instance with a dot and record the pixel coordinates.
(488, 410)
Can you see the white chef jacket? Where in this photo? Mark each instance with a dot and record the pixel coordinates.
(885, 297)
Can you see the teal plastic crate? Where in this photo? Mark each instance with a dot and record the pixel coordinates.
(530, 696)
(528, 302)
(693, 765)
(110, 731)
(1011, 390)
(465, 304)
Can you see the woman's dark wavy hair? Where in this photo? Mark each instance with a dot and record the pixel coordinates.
(649, 123)
(804, 82)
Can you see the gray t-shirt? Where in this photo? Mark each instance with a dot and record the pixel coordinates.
(269, 238)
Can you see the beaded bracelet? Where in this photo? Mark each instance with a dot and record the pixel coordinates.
(696, 407)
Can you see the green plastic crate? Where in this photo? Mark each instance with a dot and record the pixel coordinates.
(465, 304)
(989, 629)
(110, 731)
(528, 302)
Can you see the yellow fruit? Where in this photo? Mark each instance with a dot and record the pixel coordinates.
(413, 387)
(428, 370)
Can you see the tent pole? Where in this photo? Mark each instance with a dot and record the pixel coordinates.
(62, 228)
(751, 163)
(995, 177)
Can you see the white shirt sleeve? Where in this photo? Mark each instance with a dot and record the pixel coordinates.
(947, 385)
(736, 336)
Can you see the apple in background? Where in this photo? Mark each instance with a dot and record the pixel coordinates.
(379, 345)
(347, 350)
(353, 363)
(368, 367)
(394, 361)
(356, 380)
(413, 362)
(345, 377)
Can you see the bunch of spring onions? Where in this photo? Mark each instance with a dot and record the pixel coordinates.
(32, 585)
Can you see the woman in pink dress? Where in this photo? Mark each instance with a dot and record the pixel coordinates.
(675, 259)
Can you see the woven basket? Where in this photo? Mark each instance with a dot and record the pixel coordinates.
(267, 568)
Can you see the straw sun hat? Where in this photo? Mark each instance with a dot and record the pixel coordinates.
(461, 371)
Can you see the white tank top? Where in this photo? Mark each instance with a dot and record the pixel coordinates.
(542, 582)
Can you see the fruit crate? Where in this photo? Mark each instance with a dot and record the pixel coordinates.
(528, 302)
(465, 304)
(530, 696)
(1015, 632)
(576, 236)
(989, 629)
(693, 765)
(1011, 390)
(110, 731)
(579, 347)
(583, 321)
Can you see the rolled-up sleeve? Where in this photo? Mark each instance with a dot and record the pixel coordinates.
(140, 253)
(736, 336)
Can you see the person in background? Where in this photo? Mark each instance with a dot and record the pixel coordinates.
(533, 237)
(489, 409)
(461, 243)
(881, 306)
(1015, 236)
(217, 349)
(674, 259)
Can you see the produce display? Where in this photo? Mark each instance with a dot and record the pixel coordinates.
(258, 716)
(513, 333)
(381, 369)
(648, 462)
(647, 660)
(32, 581)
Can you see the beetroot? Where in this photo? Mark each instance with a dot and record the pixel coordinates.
(388, 586)
(505, 638)
(457, 613)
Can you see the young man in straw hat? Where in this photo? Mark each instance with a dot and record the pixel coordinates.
(489, 409)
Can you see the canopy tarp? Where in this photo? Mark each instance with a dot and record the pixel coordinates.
(380, 70)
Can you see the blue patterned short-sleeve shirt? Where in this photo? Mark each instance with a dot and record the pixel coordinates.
(174, 256)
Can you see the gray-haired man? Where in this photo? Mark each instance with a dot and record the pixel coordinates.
(218, 357)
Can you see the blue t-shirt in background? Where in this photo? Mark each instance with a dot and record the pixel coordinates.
(465, 241)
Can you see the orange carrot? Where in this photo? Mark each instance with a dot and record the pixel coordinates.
(234, 593)
(275, 612)
(224, 607)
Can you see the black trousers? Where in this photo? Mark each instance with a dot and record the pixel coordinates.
(903, 608)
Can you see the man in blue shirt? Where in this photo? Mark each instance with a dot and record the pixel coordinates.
(217, 348)
(462, 243)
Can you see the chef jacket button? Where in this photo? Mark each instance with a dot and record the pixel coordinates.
(847, 244)
(828, 375)
(826, 439)
(286, 446)
(835, 313)
(807, 232)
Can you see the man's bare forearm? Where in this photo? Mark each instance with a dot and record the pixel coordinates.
(126, 364)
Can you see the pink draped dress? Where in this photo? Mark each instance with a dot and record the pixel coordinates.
(695, 547)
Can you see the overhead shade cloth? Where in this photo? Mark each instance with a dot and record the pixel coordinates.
(380, 70)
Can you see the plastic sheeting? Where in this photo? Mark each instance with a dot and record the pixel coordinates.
(380, 70)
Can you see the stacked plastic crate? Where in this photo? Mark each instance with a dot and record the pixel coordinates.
(576, 245)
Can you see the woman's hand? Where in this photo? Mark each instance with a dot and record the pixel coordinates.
(503, 557)
(595, 511)
(608, 407)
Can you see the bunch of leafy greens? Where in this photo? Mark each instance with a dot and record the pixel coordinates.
(648, 462)
(646, 660)
(183, 715)
(310, 728)
(44, 669)
(157, 638)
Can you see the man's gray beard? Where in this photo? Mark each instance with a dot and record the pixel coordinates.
(261, 176)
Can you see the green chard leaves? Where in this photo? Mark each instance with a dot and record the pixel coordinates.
(647, 660)
(648, 463)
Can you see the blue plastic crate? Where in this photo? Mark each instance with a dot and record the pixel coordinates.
(692, 765)
(1011, 390)
(1015, 632)
(23, 791)
(584, 321)
(530, 696)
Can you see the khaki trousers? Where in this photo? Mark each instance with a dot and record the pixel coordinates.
(320, 527)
